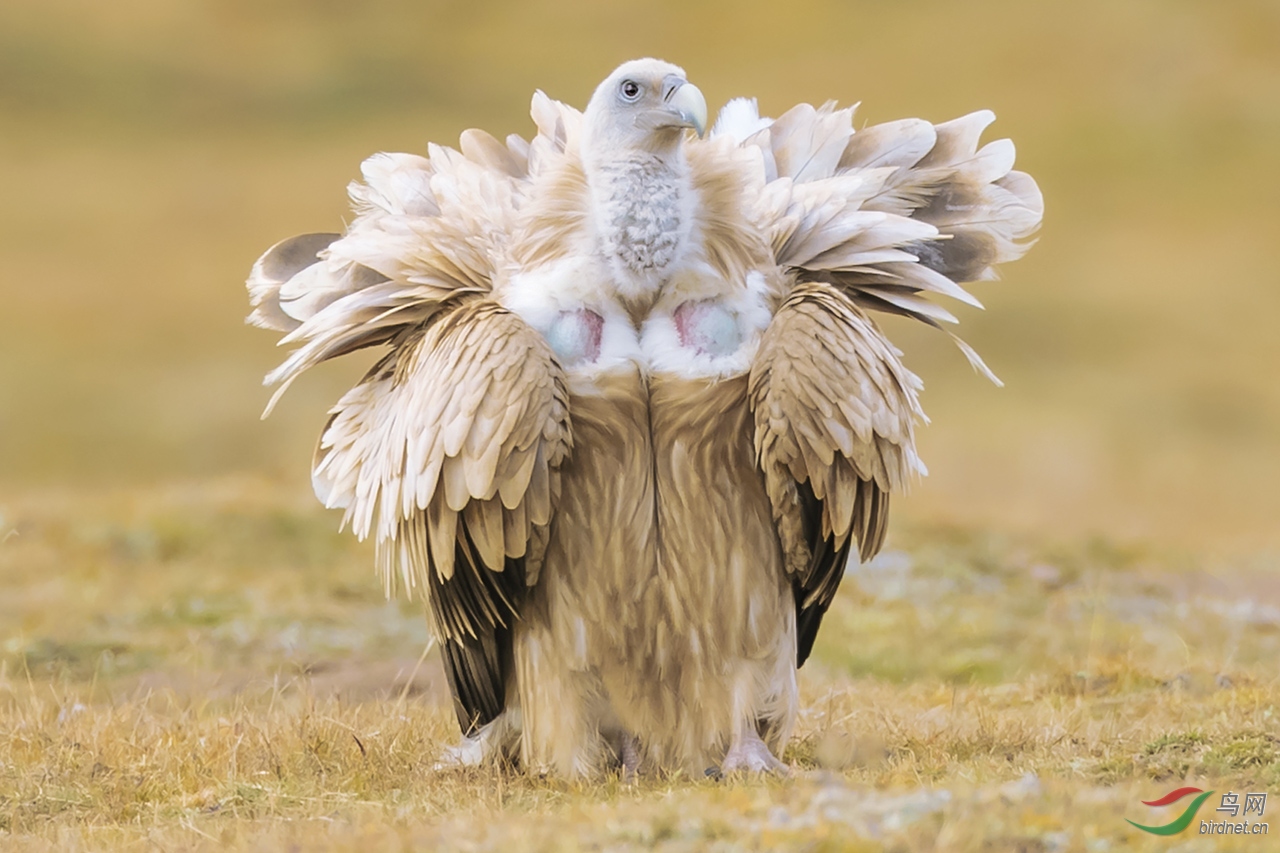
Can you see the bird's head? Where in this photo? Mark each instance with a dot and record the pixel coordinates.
(644, 105)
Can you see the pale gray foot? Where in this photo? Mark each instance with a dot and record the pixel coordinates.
(630, 757)
(749, 754)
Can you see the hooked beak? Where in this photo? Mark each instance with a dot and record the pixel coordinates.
(685, 104)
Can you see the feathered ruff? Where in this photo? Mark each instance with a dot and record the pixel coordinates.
(418, 220)
(427, 230)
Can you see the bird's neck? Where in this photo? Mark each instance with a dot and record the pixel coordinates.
(643, 218)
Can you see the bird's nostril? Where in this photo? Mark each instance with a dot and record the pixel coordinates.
(669, 85)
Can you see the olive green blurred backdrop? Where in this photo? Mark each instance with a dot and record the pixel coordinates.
(151, 149)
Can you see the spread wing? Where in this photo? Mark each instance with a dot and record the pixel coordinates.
(834, 412)
(448, 450)
(885, 218)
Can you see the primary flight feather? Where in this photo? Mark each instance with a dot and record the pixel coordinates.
(634, 415)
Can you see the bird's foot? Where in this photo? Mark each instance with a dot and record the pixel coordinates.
(494, 743)
(749, 754)
(630, 758)
(470, 752)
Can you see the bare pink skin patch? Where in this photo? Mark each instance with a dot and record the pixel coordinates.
(575, 336)
(707, 327)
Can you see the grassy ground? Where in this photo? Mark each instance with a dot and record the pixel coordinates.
(211, 667)
(1079, 608)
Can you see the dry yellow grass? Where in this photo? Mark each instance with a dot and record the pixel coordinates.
(211, 667)
(1087, 587)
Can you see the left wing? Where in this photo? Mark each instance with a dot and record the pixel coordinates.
(834, 416)
(884, 218)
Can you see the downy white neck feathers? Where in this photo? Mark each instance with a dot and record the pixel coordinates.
(643, 216)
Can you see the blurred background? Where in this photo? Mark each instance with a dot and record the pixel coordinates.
(150, 150)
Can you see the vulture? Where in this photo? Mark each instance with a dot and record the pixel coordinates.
(632, 415)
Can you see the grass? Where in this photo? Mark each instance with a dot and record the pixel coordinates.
(213, 667)
(1078, 610)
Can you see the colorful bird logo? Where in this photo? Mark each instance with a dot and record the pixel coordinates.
(1184, 819)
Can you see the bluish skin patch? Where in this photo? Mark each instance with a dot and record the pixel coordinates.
(574, 336)
(708, 327)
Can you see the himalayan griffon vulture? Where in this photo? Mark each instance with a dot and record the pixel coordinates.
(633, 414)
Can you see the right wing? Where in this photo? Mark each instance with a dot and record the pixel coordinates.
(449, 447)
(448, 451)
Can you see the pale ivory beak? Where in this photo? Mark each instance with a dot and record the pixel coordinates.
(686, 103)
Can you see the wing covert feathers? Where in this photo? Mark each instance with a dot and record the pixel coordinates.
(834, 411)
(454, 437)
(834, 406)
(448, 452)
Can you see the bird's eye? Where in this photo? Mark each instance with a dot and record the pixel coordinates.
(630, 90)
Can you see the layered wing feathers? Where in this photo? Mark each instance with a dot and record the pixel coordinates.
(883, 218)
(448, 452)
(466, 417)
(834, 413)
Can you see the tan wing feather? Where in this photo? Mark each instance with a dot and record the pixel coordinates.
(834, 412)
(437, 422)
(448, 450)
(448, 453)
(834, 408)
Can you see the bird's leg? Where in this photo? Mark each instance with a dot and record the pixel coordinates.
(749, 754)
(630, 757)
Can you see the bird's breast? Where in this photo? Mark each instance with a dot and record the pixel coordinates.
(586, 326)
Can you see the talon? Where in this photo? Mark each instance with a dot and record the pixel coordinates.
(493, 743)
